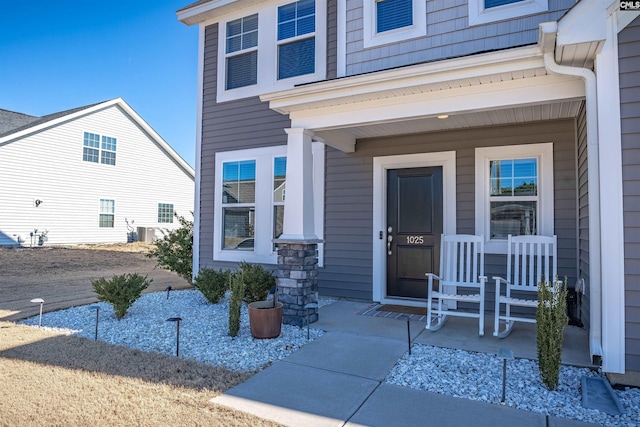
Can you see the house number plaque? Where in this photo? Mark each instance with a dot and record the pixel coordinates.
(415, 240)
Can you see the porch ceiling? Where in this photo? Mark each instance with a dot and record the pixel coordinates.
(517, 115)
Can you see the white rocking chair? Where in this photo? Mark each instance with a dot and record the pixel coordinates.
(530, 260)
(461, 266)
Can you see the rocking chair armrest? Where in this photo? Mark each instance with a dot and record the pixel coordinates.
(482, 279)
(432, 276)
(500, 279)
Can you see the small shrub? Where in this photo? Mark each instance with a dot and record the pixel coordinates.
(212, 283)
(257, 280)
(174, 251)
(121, 291)
(235, 302)
(551, 318)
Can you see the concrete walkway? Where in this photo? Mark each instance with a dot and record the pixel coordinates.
(337, 380)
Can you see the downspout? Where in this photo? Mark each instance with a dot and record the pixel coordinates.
(547, 41)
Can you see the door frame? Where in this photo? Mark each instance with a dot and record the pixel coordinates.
(445, 159)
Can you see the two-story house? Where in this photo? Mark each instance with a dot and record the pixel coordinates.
(519, 117)
(94, 174)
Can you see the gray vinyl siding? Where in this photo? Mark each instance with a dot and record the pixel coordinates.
(349, 197)
(629, 65)
(332, 39)
(235, 125)
(583, 212)
(448, 35)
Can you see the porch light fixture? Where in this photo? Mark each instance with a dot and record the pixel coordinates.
(177, 320)
(41, 302)
(443, 116)
(97, 309)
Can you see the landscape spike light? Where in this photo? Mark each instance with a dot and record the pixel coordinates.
(97, 309)
(41, 302)
(177, 320)
(167, 290)
(505, 354)
(308, 307)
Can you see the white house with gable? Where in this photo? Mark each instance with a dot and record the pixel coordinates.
(94, 174)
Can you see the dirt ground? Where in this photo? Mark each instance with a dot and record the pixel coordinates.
(62, 275)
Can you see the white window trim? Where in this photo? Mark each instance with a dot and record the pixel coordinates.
(107, 213)
(544, 153)
(479, 15)
(373, 39)
(263, 250)
(268, 50)
(446, 159)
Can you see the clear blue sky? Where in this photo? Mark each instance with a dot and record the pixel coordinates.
(61, 54)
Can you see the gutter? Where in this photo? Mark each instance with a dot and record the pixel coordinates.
(547, 40)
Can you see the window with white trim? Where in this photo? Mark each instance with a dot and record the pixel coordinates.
(107, 213)
(93, 152)
(514, 193)
(165, 213)
(242, 52)
(290, 50)
(485, 11)
(393, 21)
(296, 39)
(249, 202)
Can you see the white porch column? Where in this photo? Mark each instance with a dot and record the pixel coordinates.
(298, 202)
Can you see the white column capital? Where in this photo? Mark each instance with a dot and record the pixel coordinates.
(299, 131)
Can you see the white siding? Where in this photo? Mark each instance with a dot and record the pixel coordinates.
(48, 166)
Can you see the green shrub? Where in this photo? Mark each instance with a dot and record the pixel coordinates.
(257, 280)
(174, 251)
(212, 283)
(121, 291)
(551, 318)
(235, 302)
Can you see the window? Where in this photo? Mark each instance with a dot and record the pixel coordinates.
(92, 152)
(242, 52)
(91, 149)
(238, 204)
(107, 213)
(249, 202)
(393, 21)
(296, 41)
(514, 193)
(485, 11)
(165, 212)
(279, 193)
(271, 47)
(392, 14)
(108, 151)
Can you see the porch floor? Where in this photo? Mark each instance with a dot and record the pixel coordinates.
(457, 332)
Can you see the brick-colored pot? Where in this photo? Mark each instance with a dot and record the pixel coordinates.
(265, 320)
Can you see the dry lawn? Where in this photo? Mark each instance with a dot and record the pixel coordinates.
(53, 380)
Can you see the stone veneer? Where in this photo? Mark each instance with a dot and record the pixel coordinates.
(297, 280)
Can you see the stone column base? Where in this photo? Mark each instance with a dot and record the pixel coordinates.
(297, 280)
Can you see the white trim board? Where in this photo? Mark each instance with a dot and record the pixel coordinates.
(445, 159)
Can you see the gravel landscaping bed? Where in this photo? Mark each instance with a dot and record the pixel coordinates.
(204, 338)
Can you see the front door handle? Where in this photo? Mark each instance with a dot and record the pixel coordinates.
(389, 240)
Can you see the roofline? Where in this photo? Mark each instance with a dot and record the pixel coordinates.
(97, 107)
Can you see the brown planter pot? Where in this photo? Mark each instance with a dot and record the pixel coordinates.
(265, 320)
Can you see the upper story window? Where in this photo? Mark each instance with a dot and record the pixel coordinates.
(485, 11)
(242, 52)
(296, 40)
(514, 193)
(392, 14)
(393, 21)
(94, 152)
(274, 47)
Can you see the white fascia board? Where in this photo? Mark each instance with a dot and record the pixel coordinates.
(212, 10)
(535, 90)
(473, 66)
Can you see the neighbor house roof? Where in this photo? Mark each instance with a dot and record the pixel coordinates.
(14, 126)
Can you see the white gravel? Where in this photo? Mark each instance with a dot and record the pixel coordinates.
(204, 338)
